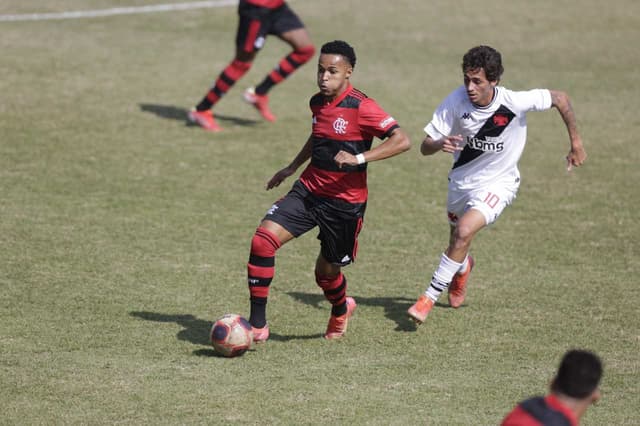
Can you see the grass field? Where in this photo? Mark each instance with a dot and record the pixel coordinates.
(125, 232)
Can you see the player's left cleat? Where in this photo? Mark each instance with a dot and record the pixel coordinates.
(458, 287)
(418, 311)
(260, 335)
(260, 102)
(204, 119)
(338, 324)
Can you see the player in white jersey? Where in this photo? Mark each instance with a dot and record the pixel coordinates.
(484, 126)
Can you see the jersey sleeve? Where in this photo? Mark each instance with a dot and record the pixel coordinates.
(533, 100)
(443, 118)
(374, 120)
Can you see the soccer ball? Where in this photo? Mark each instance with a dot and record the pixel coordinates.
(231, 335)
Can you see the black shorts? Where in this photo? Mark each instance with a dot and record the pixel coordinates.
(339, 222)
(257, 22)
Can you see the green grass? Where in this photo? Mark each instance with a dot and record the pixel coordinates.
(125, 233)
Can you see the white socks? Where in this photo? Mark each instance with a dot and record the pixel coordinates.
(443, 276)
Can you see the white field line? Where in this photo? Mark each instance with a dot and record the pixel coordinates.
(117, 11)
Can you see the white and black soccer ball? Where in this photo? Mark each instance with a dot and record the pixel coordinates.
(231, 335)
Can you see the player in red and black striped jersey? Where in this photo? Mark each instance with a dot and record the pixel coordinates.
(331, 193)
(573, 390)
(258, 19)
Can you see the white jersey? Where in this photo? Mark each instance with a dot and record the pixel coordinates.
(494, 136)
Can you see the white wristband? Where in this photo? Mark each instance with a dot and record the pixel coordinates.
(360, 158)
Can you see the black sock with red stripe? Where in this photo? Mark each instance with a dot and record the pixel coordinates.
(228, 77)
(335, 291)
(260, 271)
(286, 66)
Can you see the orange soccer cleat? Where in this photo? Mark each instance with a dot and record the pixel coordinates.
(260, 102)
(204, 119)
(338, 325)
(419, 311)
(260, 335)
(458, 287)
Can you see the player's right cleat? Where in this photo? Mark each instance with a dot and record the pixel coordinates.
(458, 287)
(260, 102)
(338, 325)
(204, 119)
(260, 335)
(419, 311)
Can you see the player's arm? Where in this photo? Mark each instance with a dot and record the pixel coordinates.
(448, 144)
(398, 142)
(560, 100)
(301, 158)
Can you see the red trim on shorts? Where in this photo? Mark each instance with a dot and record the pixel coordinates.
(354, 254)
(252, 34)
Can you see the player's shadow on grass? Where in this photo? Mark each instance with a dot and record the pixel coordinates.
(395, 308)
(197, 330)
(170, 112)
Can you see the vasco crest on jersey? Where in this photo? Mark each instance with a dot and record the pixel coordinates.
(501, 120)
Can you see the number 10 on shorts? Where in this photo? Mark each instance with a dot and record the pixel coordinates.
(491, 199)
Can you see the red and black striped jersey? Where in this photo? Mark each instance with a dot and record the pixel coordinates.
(269, 4)
(541, 411)
(348, 123)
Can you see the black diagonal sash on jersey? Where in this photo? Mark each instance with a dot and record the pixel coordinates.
(493, 127)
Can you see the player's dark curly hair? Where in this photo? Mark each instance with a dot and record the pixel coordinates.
(484, 57)
(339, 47)
(579, 374)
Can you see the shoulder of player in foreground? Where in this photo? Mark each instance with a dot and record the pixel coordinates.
(316, 99)
(357, 93)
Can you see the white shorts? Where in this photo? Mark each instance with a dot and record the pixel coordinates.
(489, 201)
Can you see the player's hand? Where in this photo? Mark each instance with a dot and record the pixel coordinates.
(279, 177)
(576, 157)
(452, 144)
(343, 158)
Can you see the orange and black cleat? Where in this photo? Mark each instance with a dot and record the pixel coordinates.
(338, 324)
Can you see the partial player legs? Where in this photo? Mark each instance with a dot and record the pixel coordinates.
(202, 114)
(439, 282)
(260, 271)
(285, 68)
(258, 96)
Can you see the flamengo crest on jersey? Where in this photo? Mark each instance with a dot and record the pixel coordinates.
(340, 126)
(348, 123)
(494, 136)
